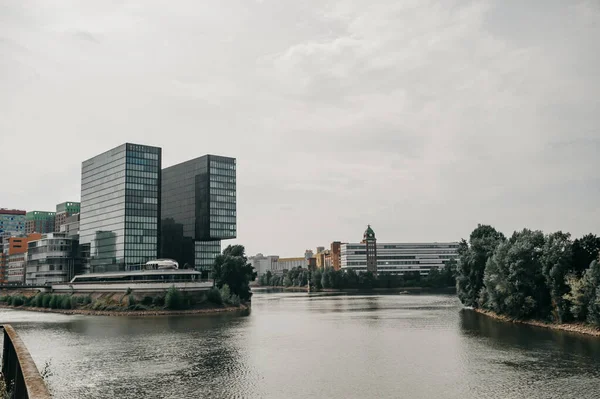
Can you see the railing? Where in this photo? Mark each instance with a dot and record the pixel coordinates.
(20, 373)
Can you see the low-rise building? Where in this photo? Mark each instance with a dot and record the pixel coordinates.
(63, 211)
(12, 222)
(52, 259)
(399, 258)
(262, 263)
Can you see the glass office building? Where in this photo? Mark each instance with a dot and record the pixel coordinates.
(198, 210)
(120, 208)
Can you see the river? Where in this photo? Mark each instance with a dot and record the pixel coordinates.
(292, 345)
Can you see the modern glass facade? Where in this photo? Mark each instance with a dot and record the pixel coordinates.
(51, 259)
(198, 210)
(120, 208)
(12, 222)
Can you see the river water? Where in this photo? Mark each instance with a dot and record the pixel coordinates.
(292, 345)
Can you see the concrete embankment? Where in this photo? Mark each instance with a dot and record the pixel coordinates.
(156, 312)
(579, 328)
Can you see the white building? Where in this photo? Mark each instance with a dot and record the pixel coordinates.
(399, 258)
(263, 263)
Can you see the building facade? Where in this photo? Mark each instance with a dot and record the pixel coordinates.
(335, 253)
(12, 222)
(199, 209)
(120, 208)
(63, 211)
(370, 243)
(51, 259)
(397, 258)
(39, 222)
(263, 264)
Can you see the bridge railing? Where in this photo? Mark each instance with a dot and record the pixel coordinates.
(20, 373)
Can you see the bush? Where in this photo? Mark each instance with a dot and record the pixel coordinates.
(54, 301)
(75, 302)
(17, 300)
(158, 301)
(28, 301)
(66, 302)
(9, 300)
(214, 296)
(130, 301)
(225, 293)
(46, 300)
(147, 301)
(3, 298)
(174, 299)
(87, 300)
(235, 300)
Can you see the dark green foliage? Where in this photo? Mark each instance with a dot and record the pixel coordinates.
(473, 257)
(585, 250)
(225, 293)
(65, 302)
(214, 296)
(131, 302)
(46, 300)
(54, 301)
(158, 301)
(147, 301)
(17, 300)
(232, 268)
(173, 299)
(556, 264)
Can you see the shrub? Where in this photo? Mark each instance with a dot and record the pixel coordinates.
(173, 299)
(66, 302)
(158, 301)
(147, 301)
(54, 301)
(130, 301)
(3, 298)
(214, 296)
(17, 300)
(225, 293)
(87, 300)
(28, 301)
(235, 300)
(139, 306)
(9, 300)
(46, 300)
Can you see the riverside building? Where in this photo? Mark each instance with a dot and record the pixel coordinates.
(396, 258)
(119, 222)
(198, 210)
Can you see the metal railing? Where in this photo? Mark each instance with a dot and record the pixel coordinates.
(23, 380)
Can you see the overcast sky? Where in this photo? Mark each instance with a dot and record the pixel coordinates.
(422, 118)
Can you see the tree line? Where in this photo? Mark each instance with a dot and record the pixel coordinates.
(330, 278)
(531, 275)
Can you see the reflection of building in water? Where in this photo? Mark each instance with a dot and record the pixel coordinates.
(396, 258)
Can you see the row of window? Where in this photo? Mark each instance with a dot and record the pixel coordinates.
(142, 180)
(222, 198)
(224, 179)
(222, 233)
(146, 162)
(141, 239)
(217, 191)
(141, 173)
(222, 165)
(223, 219)
(222, 172)
(146, 187)
(223, 185)
(222, 212)
(143, 168)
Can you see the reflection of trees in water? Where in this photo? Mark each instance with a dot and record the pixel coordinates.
(566, 353)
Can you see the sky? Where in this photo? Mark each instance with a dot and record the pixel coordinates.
(422, 118)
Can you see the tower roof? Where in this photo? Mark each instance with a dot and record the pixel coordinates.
(369, 233)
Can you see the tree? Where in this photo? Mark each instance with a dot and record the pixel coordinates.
(585, 250)
(513, 278)
(584, 294)
(473, 257)
(556, 261)
(232, 268)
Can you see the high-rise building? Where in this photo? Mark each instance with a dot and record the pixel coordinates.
(335, 252)
(198, 210)
(39, 222)
(12, 222)
(396, 258)
(63, 211)
(120, 208)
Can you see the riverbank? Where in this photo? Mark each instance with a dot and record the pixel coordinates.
(127, 312)
(579, 328)
(399, 290)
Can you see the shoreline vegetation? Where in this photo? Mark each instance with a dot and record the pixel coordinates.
(579, 328)
(172, 302)
(544, 280)
(359, 290)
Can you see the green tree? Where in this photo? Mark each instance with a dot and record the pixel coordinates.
(585, 250)
(473, 256)
(232, 268)
(583, 293)
(513, 278)
(557, 258)
(173, 299)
